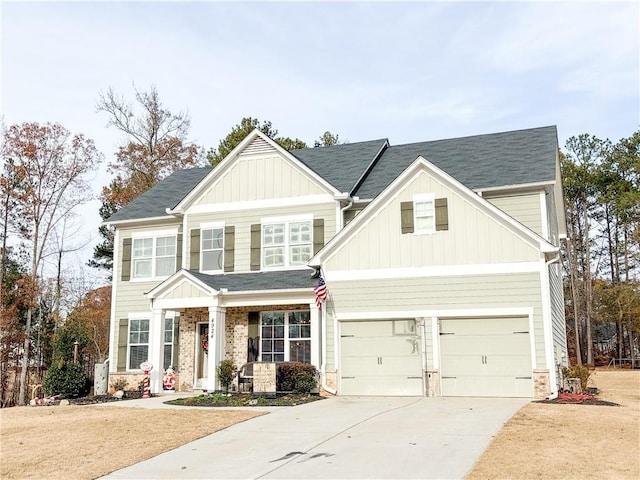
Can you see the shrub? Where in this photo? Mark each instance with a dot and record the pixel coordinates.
(66, 379)
(120, 384)
(579, 371)
(296, 376)
(226, 373)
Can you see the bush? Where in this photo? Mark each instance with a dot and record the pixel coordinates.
(66, 379)
(579, 371)
(296, 376)
(226, 373)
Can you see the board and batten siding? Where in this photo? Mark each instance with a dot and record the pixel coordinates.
(523, 207)
(243, 219)
(432, 294)
(260, 177)
(472, 237)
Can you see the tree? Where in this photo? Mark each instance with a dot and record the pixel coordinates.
(50, 167)
(92, 316)
(156, 145)
(327, 139)
(244, 128)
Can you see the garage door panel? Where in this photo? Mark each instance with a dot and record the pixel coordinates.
(485, 357)
(374, 361)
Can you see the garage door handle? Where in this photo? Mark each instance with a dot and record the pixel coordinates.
(418, 378)
(346, 377)
(347, 336)
(523, 378)
(449, 377)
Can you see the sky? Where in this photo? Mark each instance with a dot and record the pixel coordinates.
(407, 71)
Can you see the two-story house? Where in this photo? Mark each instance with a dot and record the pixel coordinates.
(441, 262)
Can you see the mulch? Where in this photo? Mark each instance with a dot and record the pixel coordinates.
(578, 399)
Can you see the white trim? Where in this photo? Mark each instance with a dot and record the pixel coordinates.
(260, 204)
(167, 232)
(433, 271)
(114, 324)
(424, 198)
(305, 217)
(516, 186)
(455, 313)
(140, 315)
(544, 216)
(184, 243)
(210, 225)
(144, 220)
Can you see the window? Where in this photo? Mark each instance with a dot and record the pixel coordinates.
(212, 240)
(138, 343)
(287, 244)
(168, 343)
(285, 336)
(153, 257)
(424, 213)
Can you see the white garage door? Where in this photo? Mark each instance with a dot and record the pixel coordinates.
(381, 357)
(485, 357)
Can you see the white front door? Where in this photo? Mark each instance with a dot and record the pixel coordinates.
(202, 357)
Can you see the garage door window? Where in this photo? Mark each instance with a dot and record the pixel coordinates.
(285, 336)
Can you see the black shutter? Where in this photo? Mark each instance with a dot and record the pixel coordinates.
(179, 252)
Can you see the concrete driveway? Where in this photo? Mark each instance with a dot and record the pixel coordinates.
(342, 438)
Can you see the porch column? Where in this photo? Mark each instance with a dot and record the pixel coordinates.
(216, 345)
(156, 349)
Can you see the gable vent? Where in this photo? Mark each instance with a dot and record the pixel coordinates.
(258, 145)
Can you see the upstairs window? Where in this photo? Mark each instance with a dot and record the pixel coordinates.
(153, 257)
(212, 249)
(424, 213)
(286, 244)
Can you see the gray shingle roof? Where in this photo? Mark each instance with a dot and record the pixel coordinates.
(341, 165)
(166, 194)
(481, 161)
(245, 282)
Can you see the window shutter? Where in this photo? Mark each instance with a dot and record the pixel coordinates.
(318, 234)
(194, 260)
(123, 332)
(179, 252)
(406, 217)
(229, 245)
(125, 275)
(442, 214)
(176, 342)
(256, 240)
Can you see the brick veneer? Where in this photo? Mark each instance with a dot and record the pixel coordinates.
(541, 384)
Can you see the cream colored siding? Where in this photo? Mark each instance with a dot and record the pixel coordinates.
(260, 177)
(470, 293)
(557, 311)
(242, 220)
(525, 208)
(552, 216)
(186, 290)
(331, 364)
(472, 238)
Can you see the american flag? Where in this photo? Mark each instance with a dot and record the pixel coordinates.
(321, 292)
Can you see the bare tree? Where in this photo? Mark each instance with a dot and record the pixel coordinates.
(50, 165)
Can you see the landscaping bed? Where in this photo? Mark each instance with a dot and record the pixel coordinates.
(245, 400)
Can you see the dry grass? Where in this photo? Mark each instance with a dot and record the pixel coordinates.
(85, 442)
(541, 441)
(553, 441)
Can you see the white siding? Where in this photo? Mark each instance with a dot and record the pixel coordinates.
(524, 207)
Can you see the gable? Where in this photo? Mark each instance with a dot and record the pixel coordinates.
(185, 289)
(477, 232)
(260, 172)
(473, 236)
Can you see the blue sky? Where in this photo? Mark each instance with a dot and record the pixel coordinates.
(407, 71)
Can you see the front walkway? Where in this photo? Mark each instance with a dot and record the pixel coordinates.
(341, 438)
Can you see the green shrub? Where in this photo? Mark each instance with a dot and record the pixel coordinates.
(579, 371)
(119, 384)
(66, 379)
(226, 373)
(296, 377)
